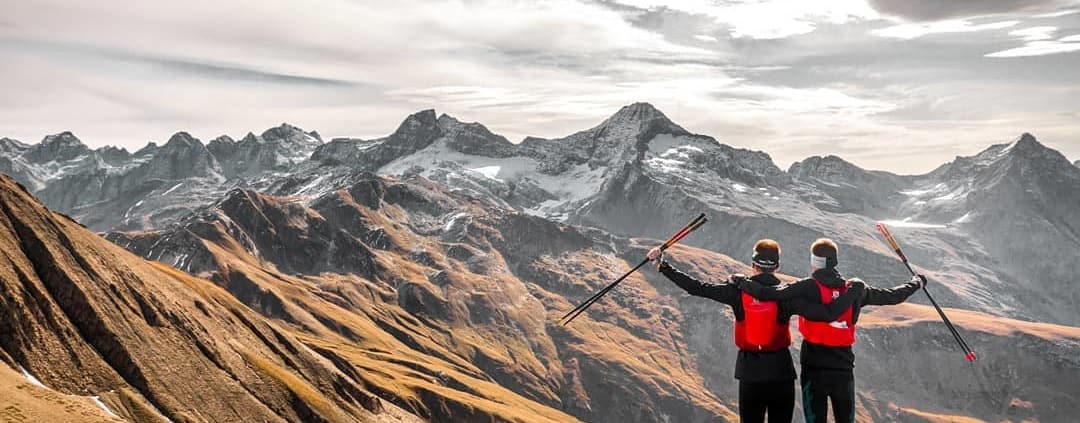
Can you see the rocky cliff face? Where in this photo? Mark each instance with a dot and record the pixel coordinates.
(869, 193)
(1022, 207)
(105, 188)
(1012, 204)
(276, 150)
(62, 147)
(56, 155)
(415, 133)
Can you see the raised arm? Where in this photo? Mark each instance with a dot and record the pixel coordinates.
(726, 293)
(815, 310)
(894, 295)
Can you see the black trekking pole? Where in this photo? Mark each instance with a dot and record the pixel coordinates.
(969, 354)
(682, 233)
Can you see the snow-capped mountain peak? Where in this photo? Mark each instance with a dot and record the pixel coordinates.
(65, 138)
(60, 147)
(292, 135)
(1028, 147)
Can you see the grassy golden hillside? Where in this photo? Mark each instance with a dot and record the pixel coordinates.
(91, 319)
(22, 401)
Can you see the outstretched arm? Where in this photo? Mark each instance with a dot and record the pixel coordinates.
(894, 295)
(771, 292)
(815, 310)
(726, 293)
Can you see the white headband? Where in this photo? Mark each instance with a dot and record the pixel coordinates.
(818, 262)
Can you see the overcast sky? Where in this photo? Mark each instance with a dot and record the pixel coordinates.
(900, 85)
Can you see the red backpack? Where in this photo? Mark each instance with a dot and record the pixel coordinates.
(759, 329)
(838, 333)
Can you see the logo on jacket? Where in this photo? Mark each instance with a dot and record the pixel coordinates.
(839, 324)
(835, 294)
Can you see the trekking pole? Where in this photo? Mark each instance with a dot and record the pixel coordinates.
(969, 354)
(682, 233)
(693, 225)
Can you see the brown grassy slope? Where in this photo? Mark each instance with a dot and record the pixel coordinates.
(87, 317)
(913, 314)
(20, 401)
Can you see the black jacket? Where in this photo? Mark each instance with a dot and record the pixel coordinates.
(753, 366)
(820, 357)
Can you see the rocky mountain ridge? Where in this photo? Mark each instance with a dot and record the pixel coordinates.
(444, 224)
(631, 175)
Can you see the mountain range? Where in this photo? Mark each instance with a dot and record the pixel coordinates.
(419, 275)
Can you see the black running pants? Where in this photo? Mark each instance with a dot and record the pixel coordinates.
(820, 387)
(776, 398)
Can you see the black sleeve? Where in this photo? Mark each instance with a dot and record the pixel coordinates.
(891, 296)
(726, 293)
(776, 292)
(815, 310)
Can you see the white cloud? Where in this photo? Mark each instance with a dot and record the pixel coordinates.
(1039, 43)
(140, 70)
(138, 63)
(1035, 33)
(1057, 14)
(520, 67)
(1037, 48)
(767, 19)
(915, 30)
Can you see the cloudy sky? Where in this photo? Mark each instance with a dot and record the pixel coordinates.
(901, 85)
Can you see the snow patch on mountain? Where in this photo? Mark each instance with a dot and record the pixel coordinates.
(667, 144)
(491, 172)
(939, 193)
(908, 223)
(170, 190)
(488, 176)
(964, 219)
(97, 401)
(919, 193)
(30, 378)
(453, 220)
